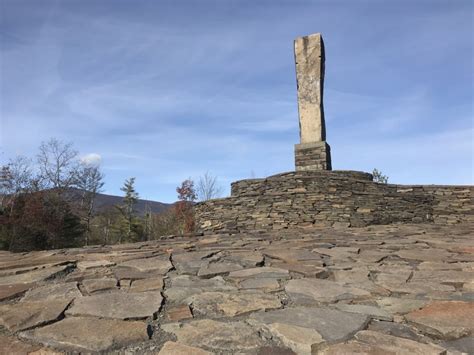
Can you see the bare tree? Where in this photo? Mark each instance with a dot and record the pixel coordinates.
(16, 177)
(58, 164)
(90, 182)
(207, 187)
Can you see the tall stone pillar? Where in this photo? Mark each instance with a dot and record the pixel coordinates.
(313, 153)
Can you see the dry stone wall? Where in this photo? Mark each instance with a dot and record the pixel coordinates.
(337, 198)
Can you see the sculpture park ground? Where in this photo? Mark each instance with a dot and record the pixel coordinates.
(309, 262)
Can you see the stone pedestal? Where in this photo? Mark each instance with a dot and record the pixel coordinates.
(312, 156)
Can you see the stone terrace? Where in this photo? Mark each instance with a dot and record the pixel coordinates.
(377, 289)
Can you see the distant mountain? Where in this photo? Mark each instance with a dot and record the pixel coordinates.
(103, 202)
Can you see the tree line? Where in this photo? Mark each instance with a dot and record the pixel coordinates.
(48, 202)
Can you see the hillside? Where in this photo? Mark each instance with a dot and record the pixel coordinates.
(104, 201)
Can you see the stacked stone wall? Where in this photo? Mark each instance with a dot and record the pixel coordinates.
(339, 198)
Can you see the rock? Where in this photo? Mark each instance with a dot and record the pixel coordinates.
(332, 324)
(154, 284)
(444, 319)
(34, 276)
(353, 347)
(260, 272)
(11, 345)
(118, 305)
(209, 270)
(260, 283)
(173, 348)
(95, 285)
(232, 304)
(184, 286)
(12, 291)
(441, 276)
(93, 264)
(397, 330)
(424, 254)
(89, 334)
(61, 291)
(292, 255)
(395, 345)
(189, 263)
(158, 265)
(463, 345)
(25, 315)
(178, 313)
(298, 339)
(227, 337)
(309, 59)
(371, 311)
(307, 290)
(400, 305)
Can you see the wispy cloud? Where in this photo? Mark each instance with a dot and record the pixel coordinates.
(164, 90)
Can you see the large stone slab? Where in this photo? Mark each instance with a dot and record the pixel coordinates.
(184, 286)
(307, 290)
(371, 311)
(444, 319)
(34, 276)
(59, 291)
(25, 315)
(396, 345)
(309, 61)
(102, 284)
(299, 339)
(189, 263)
(332, 324)
(118, 305)
(159, 265)
(174, 348)
(216, 304)
(260, 272)
(12, 291)
(226, 337)
(209, 270)
(153, 284)
(89, 334)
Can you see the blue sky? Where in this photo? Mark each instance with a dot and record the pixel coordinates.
(164, 90)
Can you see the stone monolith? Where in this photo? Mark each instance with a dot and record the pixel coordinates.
(313, 153)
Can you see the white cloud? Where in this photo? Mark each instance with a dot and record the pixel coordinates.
(92, 159)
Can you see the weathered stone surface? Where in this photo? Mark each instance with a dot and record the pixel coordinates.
(292, 255)
(159, 265)
(92, 264)
(400, 305)
(33, 276)
(11, 291)
(95, 285)
(185, 286)
(11, 345)
(232, 304)
(444, 319)
(25, 315)
(220, 268)
(260, 284)
(309, 60)
(307, 290)
(298, 339)
(395, 345)
(154, 284)
(118, 305)
(89, 334)
(189, 263)
(215, 335)
(333, 325)
(178, 313)
(61, 291)
(174, 348)
(371, 311)
(260, 272)
(353, 347)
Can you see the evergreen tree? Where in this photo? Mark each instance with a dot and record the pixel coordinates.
(127, 209)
